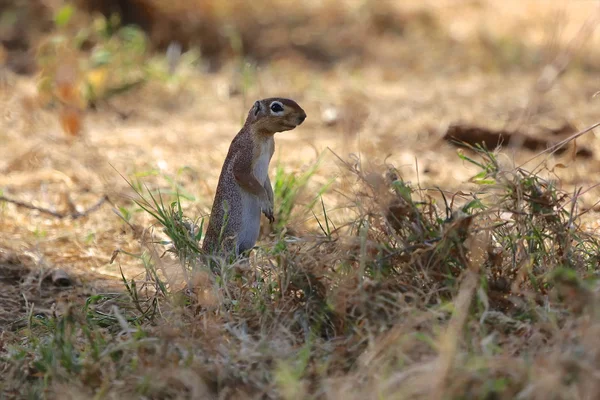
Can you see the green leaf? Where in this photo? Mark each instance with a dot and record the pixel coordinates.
(473, 205)
(63, 15)
(485, 181)
(403, 190)
(100, 57)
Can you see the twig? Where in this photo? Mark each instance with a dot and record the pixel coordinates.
(73, 215)
(552, 149)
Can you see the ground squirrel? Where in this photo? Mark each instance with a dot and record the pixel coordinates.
(244, 188)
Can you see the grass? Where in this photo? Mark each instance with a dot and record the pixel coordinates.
(355, 309)
(289, 187)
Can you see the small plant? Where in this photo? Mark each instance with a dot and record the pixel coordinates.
(83, 66)
(74, 346)
(184, 233)
(288, 187)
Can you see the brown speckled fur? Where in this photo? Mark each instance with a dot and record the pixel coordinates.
(238, 182)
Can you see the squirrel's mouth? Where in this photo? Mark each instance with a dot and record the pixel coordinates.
(290, 125)
(294, 123)
(297, 122)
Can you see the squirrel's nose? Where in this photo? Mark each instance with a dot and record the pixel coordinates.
(301, 118)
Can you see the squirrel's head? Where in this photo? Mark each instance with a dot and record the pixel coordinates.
(274, 115)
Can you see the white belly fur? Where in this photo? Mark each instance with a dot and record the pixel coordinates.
(261, 166)
(250, 205)
(250, 221)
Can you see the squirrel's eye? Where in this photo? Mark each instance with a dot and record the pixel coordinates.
(276, 107)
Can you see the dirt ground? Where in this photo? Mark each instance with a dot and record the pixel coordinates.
(393, 109)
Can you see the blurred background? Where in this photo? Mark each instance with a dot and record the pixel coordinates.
(153, 91)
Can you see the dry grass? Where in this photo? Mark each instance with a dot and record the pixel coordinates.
(420, 272)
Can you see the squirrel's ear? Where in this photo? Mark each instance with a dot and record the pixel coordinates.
(256, 108)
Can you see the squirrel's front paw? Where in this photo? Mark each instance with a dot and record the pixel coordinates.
(267, 209)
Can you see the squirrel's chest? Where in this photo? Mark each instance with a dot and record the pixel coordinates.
(261, 162)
